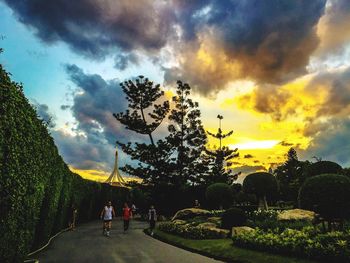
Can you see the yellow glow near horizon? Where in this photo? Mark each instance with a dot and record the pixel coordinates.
(98, 176)
(254, 145)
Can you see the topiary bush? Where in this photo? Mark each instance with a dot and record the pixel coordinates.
(233, 217)
(327, 195)
(263, 185)
(219, 195)
(323, 167)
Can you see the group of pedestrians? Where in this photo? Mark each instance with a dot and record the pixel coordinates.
(108, 213)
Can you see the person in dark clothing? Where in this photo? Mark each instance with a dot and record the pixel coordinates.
(152, 218)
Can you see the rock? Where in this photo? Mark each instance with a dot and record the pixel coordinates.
(215, 219)
(179, 222)
(296, 214)
(238, 230)
(207, 225)
(221, 233)
(190, 213)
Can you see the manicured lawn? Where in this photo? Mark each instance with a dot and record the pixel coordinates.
(224, 250)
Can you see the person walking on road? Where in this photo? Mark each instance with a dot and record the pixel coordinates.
(152, 218)
(127, 215)
(107, 215)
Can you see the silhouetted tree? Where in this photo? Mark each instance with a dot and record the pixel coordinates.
(290, 176)
(220, 159)
(144, 116)
(187, 136)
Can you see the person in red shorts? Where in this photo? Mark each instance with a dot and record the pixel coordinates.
(127, 215)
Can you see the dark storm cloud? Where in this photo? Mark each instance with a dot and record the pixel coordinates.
(44, 113)
(82, 154)
(91, 144)
(93, 108)
(285, 143)
(330, 141)
(271, 41)
(95, 28)
(337, 85)
(122, 61)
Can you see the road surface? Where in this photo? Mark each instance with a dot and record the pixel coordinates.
(87, 244)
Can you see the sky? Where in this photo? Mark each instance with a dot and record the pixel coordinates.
(277, 70)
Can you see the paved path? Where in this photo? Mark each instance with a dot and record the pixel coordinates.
(87, 244)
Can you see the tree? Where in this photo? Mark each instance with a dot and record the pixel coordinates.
(263, 185)
(187, 135)
(327, 195)
(219, 195)
(142, 95)
(144, 118)
(220, 159)
(290, 176)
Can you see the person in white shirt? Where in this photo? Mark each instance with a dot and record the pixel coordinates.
(107, 215)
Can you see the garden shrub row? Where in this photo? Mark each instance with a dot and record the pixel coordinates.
(308, 243)
(37, 189)
(192, 231)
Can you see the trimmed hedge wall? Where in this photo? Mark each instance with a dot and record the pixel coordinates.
(37, 189)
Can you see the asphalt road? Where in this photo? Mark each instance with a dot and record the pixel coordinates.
(87, 244)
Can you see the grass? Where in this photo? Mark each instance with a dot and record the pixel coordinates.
(223, 249)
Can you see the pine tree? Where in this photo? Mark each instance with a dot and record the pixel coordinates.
(220, 159)
(187, 136)
(290, 176)
(144, 118)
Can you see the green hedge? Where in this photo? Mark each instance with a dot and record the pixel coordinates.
(37, 188)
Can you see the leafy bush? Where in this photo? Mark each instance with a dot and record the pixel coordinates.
(37, 188)
(326, 194)
(263, 185)
(329, 247)
(323, 167)
(192, 231)
(219, 195)
(233, 217)
(267, 220)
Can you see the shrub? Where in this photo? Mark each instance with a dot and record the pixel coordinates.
(327, 195)
(262, 184)
(192, 231)
(233, 217)
(309, 243)
(323, 167)
(219, 195)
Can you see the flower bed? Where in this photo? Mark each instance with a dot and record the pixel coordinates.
(308, 242)
(192, 231)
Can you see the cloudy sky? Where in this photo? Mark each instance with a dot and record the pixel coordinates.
(277, 70)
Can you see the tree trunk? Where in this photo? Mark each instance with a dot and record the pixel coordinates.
(263, 203)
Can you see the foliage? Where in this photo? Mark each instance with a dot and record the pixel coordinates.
(191, 231)
(220, 160)
(323, 167)
(233, 217)
(37, 189)
(187, 136)
(144, 118)
(290, 176)
(262, 184)
(223, 250)
(308, 242)
(219, 195)
(327, 195)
